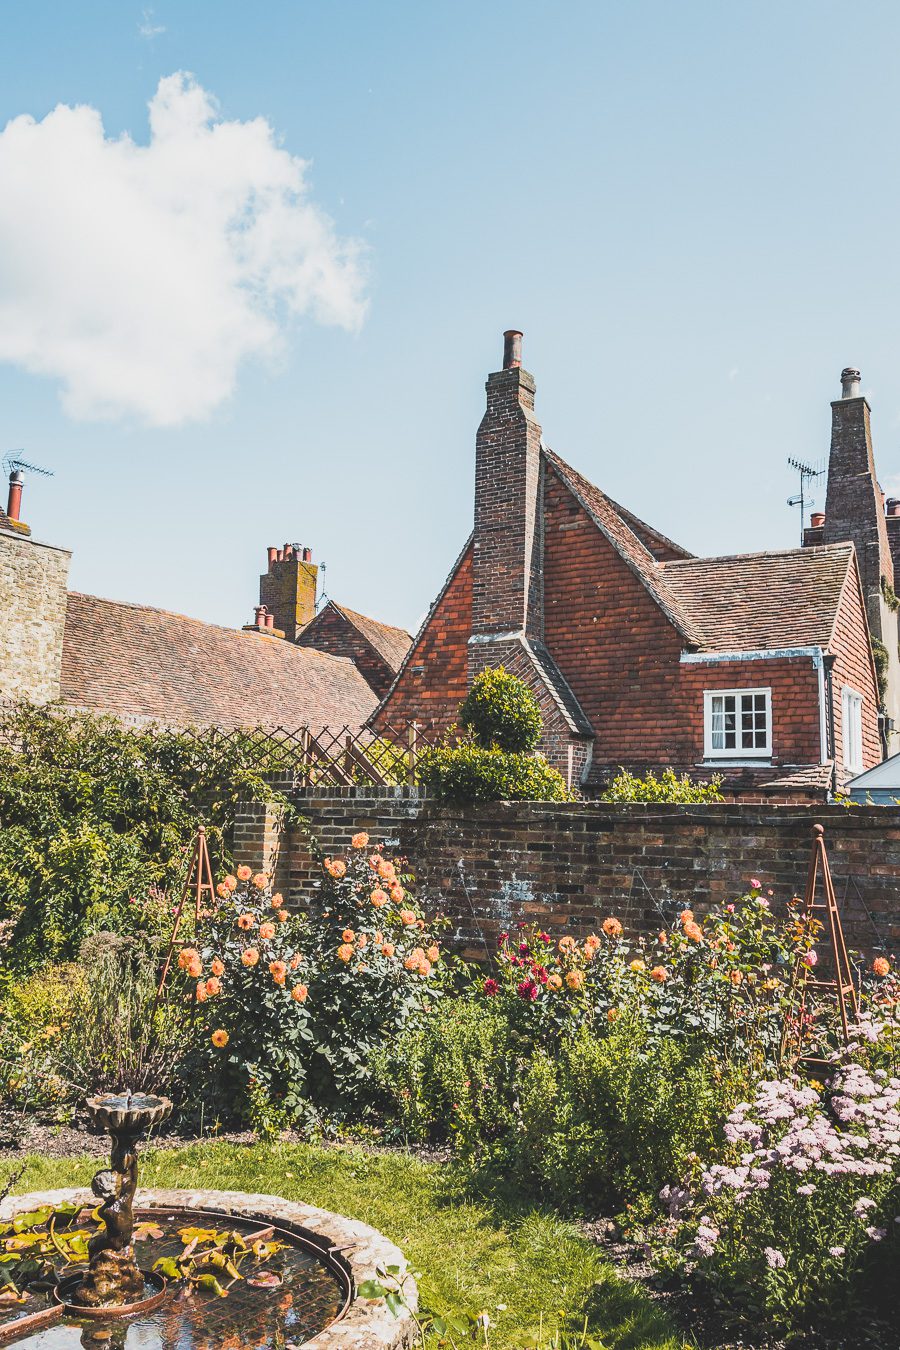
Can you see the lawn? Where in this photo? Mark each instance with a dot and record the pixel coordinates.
(525, 1266)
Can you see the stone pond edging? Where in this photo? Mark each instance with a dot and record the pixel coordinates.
(364, 1326)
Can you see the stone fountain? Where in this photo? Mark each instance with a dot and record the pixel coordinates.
(113, 1279)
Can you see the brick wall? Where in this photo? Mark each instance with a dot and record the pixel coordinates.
(567, 866)
(32, 617)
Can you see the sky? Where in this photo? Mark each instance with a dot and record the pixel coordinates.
(256, 262)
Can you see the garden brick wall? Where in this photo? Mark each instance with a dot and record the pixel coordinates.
(568, 866)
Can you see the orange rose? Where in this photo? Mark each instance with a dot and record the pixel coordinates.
(693, 931)
(230, 882)
(386, 870)
(217, 967)
(591, 945)
(637, 966)
(388, 949)
(575, 979)
(361, 941)
(345, 952)
(360, 840)
(348, 935)
(295, 960)
(249, 956)
(282, 916)
(379, 898)
(186, 956)
(554, 981)
(407, 917)
(299, 993)
(397, 892)
(335, 868)
(659, 974)
(219, 1038)
(222, 891)
(277, 900)
(244, 873)
(374, 860)
(213, 986)
(278, 971)
(433, 953)
(881, 966)
(260, 881)
(612, 928)
(266, 931)
(686, 916)
(245, 922)
(195, 968)
(567, 945)
(612, 1015)
(736, 977)
(201, 991)
(424, 968)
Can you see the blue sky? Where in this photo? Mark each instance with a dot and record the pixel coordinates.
(691, 210)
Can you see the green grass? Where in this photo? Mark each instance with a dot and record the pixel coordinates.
(521, 1264)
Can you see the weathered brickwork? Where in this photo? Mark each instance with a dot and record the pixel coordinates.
(568, 866)
(33, 588)
(288, 590)
(332, 632)
(853, 667)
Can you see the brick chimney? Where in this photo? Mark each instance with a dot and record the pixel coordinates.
(853, 506)
(287, 591)
(506, 586)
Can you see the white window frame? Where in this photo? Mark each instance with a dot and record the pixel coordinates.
(735, 752)
(851, 729)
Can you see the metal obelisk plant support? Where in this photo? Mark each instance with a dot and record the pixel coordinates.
(199, 884)
(806, 979)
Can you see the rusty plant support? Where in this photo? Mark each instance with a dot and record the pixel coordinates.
(803, 980)
(199, 883)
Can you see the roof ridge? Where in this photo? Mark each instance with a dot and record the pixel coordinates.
(358, 614)
(844, 545)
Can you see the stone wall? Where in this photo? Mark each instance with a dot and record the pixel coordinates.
(32, 617)
(568, 866)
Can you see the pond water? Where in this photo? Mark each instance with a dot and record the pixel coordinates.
(308, 1297)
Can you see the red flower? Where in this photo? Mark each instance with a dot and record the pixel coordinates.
(491, 987)
(527, 991)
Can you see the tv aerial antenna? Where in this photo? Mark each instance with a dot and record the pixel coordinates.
(13, 463)
(808, 474)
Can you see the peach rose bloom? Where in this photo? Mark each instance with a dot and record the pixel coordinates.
(693, 931)
(591, 944)
(245, 922)
(222, 891)
(299, 993)
(374, 860)
(295, 960)
(277, 900)
(575, 979)
(219, 1038)
(611, 927)
(568, 945)
(249, 956)
(685, 916)
(659, 974)
(217, 967)
(244, 873)
(202, 995)
(407, 917)
(386, 870)
(361, 941)
(195, 968)
(278, 971)
(379, 898)
(638, 966)
(230, 882)
(282, 916)
(397, 892)
(266, 931)
(424, 968)
(736, 977)
(881, 966)
(388, 949)
(612, 1014)
(260, 881)
(360, 840)
(348, 935)
(213, 986)
(186, 956)
(335, 868)
(345, 952)
(554, 981)
(433, 952)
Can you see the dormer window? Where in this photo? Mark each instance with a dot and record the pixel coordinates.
(737, 723)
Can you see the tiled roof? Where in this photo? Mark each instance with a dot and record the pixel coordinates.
(634, 553)
(757, 601)
(391, 644)
(147, 664)
(814, 777)
(654, 540)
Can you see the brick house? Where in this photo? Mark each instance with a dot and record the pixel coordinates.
(756, 666)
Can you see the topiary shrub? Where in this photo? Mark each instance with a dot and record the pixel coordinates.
(501, 711)
(470, 773)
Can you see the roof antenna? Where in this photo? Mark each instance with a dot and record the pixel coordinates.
(13, 464)
(321, 598)
(807, 472)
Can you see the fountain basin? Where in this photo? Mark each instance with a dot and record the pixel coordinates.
(350, 1250)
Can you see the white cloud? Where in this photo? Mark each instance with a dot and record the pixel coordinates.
(141, 277)
(147, 28)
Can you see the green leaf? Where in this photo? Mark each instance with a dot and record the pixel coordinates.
(396, 1302)
(371, 1289)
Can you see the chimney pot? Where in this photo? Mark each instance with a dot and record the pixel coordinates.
(816, 519)
(258, 613)
(14, 501)
(893, 506)
(512, 349)
(307, 555)
(850, 382)
(273, 557)
(269, 620)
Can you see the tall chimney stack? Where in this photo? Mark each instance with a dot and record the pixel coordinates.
(288, 589)
(14, 501)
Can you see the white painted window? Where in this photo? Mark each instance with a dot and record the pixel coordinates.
(851, 728)
(737, 723)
